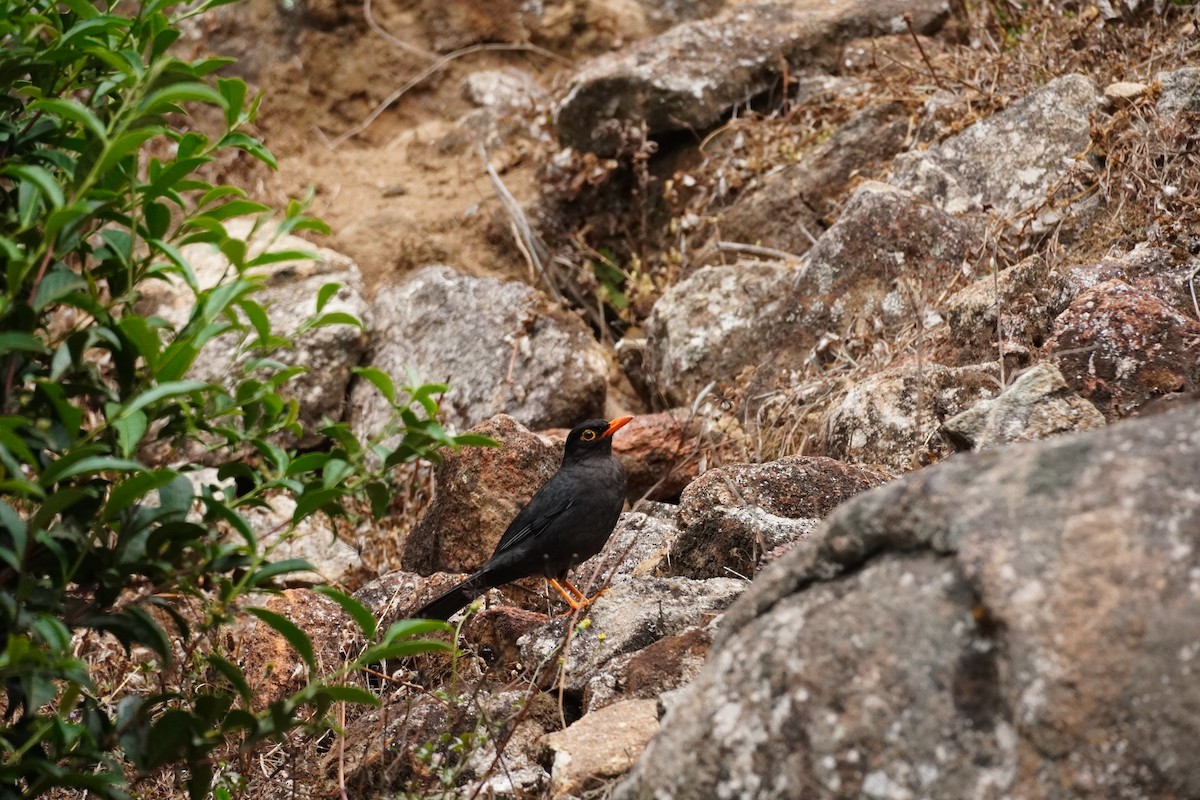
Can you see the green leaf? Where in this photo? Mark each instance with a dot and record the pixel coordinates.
(351, 694)
(325, 293)
(412, 647)
(123, 145)
(233, 91)
(160, 392)
(38, 177)
(337, 318)
(143, 337)
(130, 429)
(317, 500)
(297, 638)
(168, 98)
(231, 674)
(158, 219)
(151, 633)
(56, 284)
(235, 208)
(74, 111)
(380, 380)
(280, 568)
(258, 320)
(16, 341)
(84, 9)
(380, 496)
(309, 462)
(69, 467)
(133, 488)
(360, 613)
(415, 627)
(217, 508)
(251, 145)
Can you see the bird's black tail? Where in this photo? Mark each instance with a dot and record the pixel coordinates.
(444, 605)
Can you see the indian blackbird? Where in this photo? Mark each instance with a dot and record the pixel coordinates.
(567, 522)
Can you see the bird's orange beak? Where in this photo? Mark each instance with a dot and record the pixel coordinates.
(615, 426)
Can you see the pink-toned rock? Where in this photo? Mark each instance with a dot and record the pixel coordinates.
(478, 492)
(1120, 348)
(660, 453)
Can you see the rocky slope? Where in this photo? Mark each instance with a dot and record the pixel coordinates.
(817, 248)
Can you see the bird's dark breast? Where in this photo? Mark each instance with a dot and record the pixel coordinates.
(588, 523)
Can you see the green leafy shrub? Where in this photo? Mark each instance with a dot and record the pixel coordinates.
(94, 536)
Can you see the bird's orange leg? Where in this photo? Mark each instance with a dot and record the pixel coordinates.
(576, 599)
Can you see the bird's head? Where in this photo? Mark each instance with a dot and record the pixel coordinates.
(593, 436)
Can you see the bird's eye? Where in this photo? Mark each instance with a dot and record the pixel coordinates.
(588, 435)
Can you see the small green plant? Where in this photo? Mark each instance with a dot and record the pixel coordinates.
(101, 190)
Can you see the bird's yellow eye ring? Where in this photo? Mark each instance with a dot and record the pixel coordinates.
(588, 435)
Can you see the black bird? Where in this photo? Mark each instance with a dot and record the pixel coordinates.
(567, 522)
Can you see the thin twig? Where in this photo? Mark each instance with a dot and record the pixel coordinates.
(908, 20)
(759, 250)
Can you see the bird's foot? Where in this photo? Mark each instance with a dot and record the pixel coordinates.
(574, 598)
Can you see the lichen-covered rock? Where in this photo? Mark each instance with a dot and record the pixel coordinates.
(503, 347)
(1153, 270)
(785, 212)
(478, 491)
(886, 260)
(289, 297)
(1180, 92)
(629, 617)
(663, 666)
(1015, 623)
(891, 419)
(1037, 405)
(697, 333)
(881, 265)
(732, 517)
(1008, 161)
(1119, 348)
(686, 78)
(1010, 314)
(642, 538)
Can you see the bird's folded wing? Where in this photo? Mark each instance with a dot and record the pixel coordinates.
(521, 530)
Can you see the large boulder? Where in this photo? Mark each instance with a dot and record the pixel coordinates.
(1021, 622)
(688, 77)
(502, 346)
(1008, 161)
(884, 261)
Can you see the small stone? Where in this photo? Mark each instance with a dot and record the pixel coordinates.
(1123, 93)
(600, 746)
(1037, 405)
